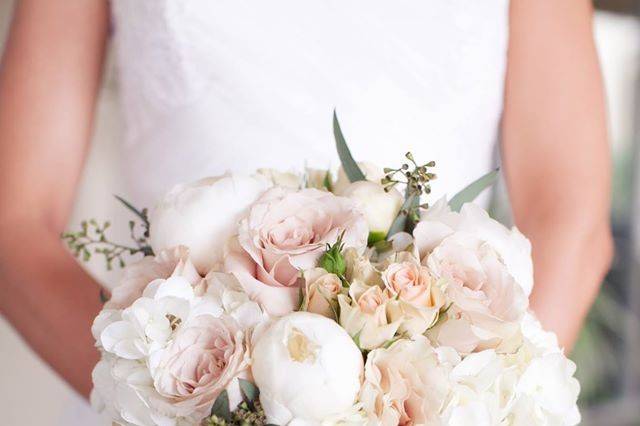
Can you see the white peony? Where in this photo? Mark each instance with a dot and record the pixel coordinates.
(307, 369)
(203, 215)
(380, 207)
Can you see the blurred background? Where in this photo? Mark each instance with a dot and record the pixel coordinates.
(608, 352)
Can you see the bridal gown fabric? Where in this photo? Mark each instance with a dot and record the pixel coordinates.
(208, 86)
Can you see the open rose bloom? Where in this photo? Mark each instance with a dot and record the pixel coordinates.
(427, 327)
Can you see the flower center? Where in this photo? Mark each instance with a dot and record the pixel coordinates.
(300, 348)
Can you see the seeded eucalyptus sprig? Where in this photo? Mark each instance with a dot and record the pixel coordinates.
(416, 179)
(92, 239)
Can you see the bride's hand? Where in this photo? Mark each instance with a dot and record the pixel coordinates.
(556, 157)
(49, 79)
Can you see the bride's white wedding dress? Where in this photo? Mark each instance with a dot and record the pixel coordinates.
(215, 85)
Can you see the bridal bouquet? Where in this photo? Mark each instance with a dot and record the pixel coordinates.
(316, 299)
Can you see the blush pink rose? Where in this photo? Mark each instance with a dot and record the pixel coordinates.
(136, 277)
(417, 297)
(412, 283)
(285, 232)
(206, 355)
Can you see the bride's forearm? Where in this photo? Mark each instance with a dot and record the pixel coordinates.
(556, 156)
(50, 300)
(570, 263)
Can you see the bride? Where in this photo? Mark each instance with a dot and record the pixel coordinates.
(215, 85)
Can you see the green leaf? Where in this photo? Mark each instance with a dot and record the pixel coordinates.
(471, 191)
(249, 391)
(221, 406)
(400, 222)
(349, 165)
(375, 237)
(141, 214)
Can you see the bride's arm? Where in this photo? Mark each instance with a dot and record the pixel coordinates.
(49, 78)
(556, 156)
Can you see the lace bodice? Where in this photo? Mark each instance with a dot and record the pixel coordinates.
(212, 85)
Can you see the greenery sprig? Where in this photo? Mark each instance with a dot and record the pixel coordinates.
(92, 239)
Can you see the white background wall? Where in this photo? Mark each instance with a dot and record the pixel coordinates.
(30, 394)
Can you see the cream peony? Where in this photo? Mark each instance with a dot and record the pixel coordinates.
(136, 277)
(285, 232)
(307, 369)
(203, 215)
(405, 384)
(380, 207)
(321, 292)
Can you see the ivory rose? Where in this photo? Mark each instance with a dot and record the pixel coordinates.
(321, 292)
(203, 215)
(285, 232)
(359, 268)
(363, 314)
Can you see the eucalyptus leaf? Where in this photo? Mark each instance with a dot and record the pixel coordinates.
(221, 406)
(349, 165)
(471, 191)
(249, 391)
(400, 222)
